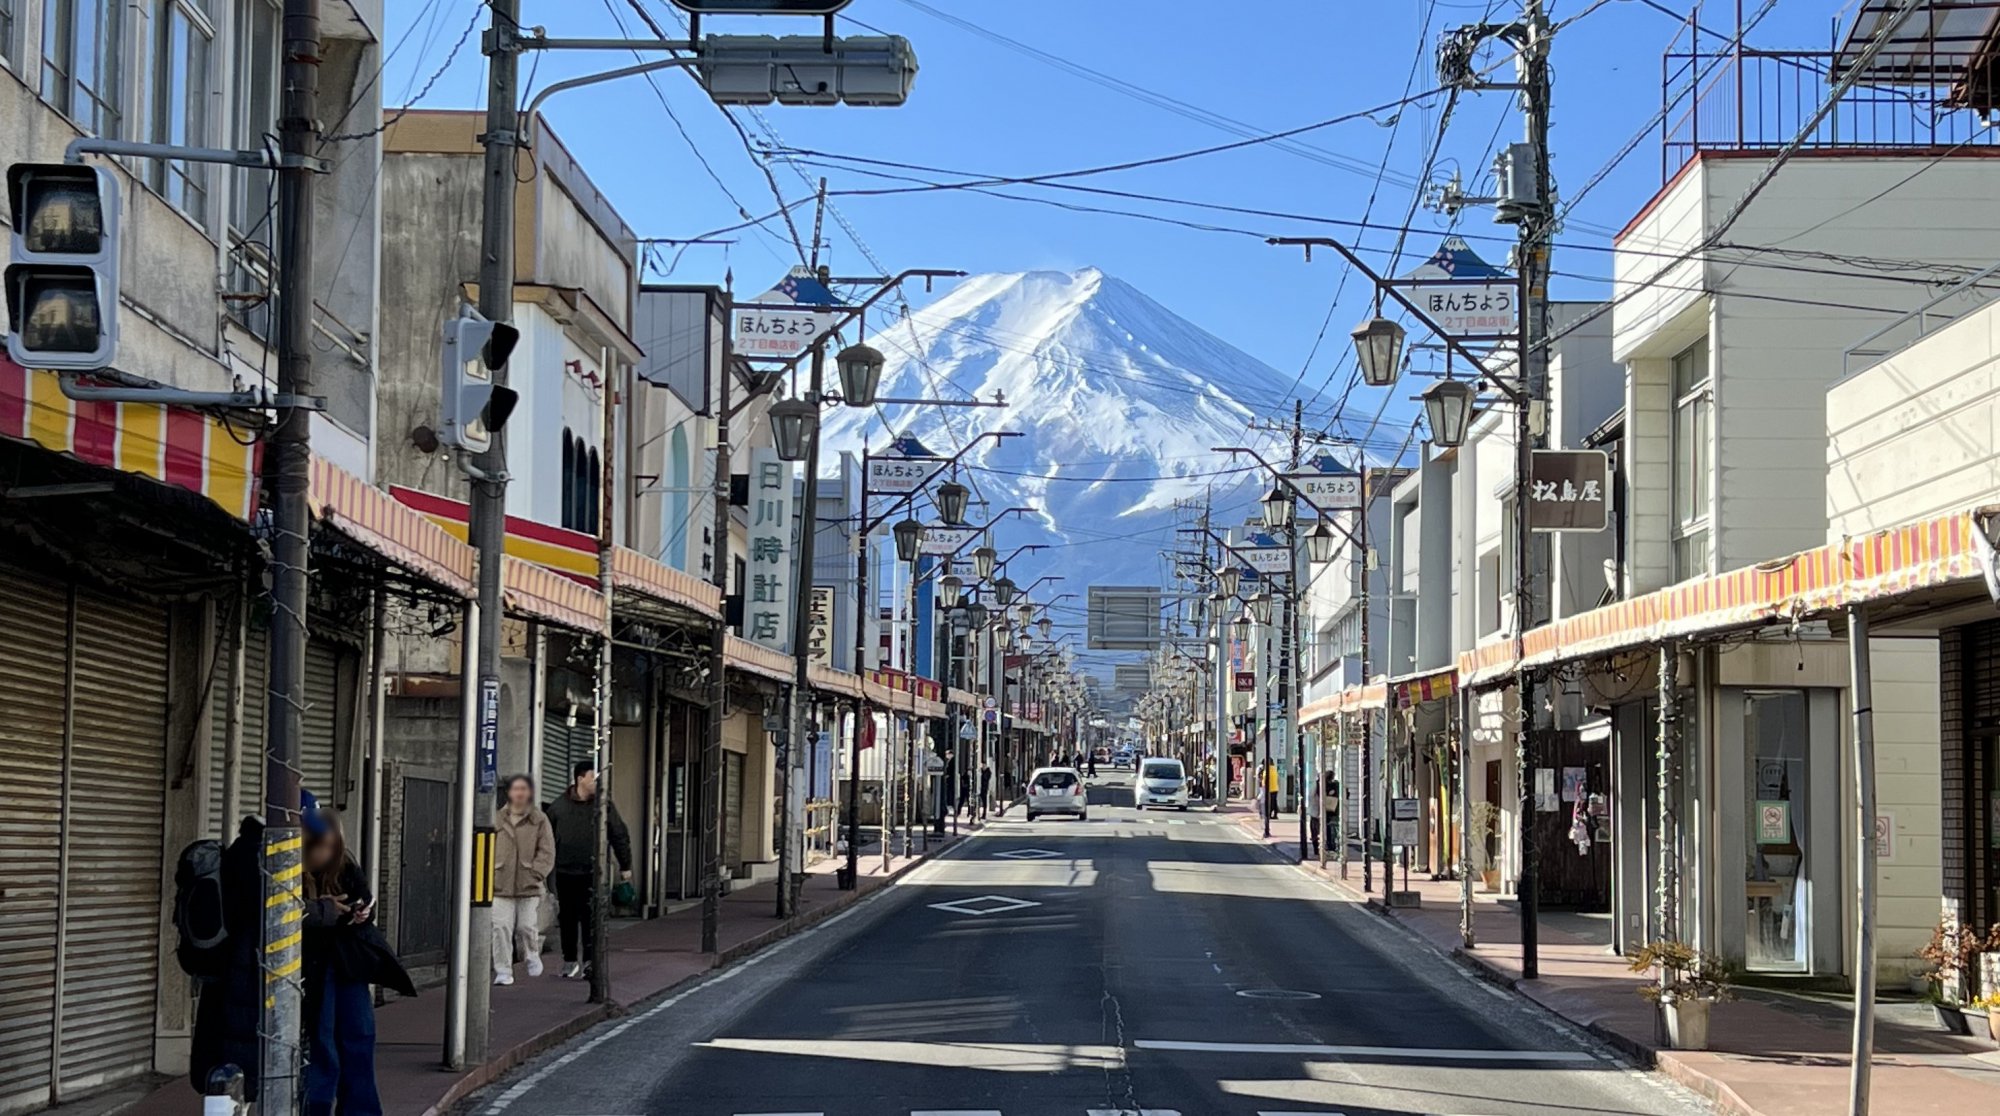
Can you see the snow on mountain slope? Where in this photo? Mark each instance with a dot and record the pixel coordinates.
(1119, 402)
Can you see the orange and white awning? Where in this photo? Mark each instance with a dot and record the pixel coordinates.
(1928, 554)
(1416, 689)
(541, 593)
(755, 658)
(634, 572)
(1375, 695)
(179, 446)
(374, 519)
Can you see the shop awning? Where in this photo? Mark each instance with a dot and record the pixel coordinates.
(905, 693)
(173, 445)
(828, 680)
(633, 572)
(557, 548)
(1375, 695)
(962, 697)
(755, 658)
(541, 593)
(377, 521)
(1928, 554)
(1416, 689)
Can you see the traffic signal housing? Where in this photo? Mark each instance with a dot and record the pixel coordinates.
(62, 275)
(474, 408)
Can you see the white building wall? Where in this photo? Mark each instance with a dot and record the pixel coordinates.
(1915, 435)
(1908, 772)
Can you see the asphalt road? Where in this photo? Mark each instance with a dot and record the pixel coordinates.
(1143, 964)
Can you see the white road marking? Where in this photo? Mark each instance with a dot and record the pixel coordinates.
(1026, 854)
(985, 905)
(1395, 1052)
(1132, 1112)
(957, 1112)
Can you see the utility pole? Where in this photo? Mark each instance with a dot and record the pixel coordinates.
(471, 992)
(1532, 264)
(1294, 615)
(288, 473)
(718, 661)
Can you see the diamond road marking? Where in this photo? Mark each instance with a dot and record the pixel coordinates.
(984, 905)
(1027, 854)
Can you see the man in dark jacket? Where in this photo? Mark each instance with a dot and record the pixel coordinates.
(574, 821)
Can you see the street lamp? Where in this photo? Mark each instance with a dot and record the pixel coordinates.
(1241, 627)
(1027, 613)
(909, 535)
(1228, 578)
(1378, 345)
(978, 614)
(1005, 637)
(1277, 508)
(860, 368)
(1260, 608)
(951, 498)
(792, 422)
(1320, 542)
(982, 562)
(1003, 591)
(1046, 625)
(1448, 408)
(950, 588)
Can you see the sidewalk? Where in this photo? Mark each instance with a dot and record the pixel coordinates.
(1771, 1054)
(647, 959)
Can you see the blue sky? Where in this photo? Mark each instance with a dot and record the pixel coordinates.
(985, 106)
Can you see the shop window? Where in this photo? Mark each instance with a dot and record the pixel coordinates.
(1776, 789)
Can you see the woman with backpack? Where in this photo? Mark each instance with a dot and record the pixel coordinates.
(345, 953)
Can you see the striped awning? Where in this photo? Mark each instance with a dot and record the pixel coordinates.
(634, 572)
(376, 520)
(755, 658)
(1928, 554)
(965, 698)
(543, 594)
(827, 680)
(1417, 689)
(1375, 695)
(905, 692)
(179, 446)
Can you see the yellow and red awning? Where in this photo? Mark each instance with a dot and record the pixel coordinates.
(173, 445)
(571, 553)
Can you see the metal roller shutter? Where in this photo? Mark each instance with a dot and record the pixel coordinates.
(253, 731)
(33, 613)
(117, 783)
(316, 746)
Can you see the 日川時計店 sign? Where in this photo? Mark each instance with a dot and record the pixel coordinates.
(767, 598)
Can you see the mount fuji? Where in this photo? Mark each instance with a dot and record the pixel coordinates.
(1118, 400)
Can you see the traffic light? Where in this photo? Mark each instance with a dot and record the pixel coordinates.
(62, 281)
(474, 408)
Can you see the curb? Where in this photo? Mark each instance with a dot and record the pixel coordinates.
(500, 1064)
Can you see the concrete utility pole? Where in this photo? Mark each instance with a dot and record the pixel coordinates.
(288, 474)
(718, 679)
(1866, 854)
(471, 992)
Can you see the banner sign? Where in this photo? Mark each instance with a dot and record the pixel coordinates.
(767, 610)
(1569, 490)
(1246, 681)
(940, 541)
(899, 476)
(1267, 559)
(819, 629)
(1328, 491)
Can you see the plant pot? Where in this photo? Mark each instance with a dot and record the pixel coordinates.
(1993, 1024)
(1919, 983)
(1489, 880)
(1952, 1018)
(1687, 1023)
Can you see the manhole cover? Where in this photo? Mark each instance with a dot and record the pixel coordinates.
(1276, 994)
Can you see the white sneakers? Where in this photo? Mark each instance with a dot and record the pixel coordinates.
(534, 965)
(503, 978)
(573, 971)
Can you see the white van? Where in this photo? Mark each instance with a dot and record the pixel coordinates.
(1162, 782)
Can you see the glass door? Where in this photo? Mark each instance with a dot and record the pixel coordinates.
(1775, 748)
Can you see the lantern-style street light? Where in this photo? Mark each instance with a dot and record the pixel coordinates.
(1046, 625)
(860, 368)
(1277, 508)
(1448, 409)
(1228, 578)
(1241, 626)
(1003, 591)
(792, 423)
(909, 535)
(978, 614)
(1260, 608)
(1320, 543)
(1378, 345)
(1005, 636)
(982, 562)
(951, 498)
(950, 588)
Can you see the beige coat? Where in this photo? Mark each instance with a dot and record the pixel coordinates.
(524, 853)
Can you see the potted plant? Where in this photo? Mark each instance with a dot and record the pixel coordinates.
(1990, 1004)
(1485, 823)
(1689, 983)
(1956, 957)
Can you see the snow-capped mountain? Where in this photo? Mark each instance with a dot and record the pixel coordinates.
(1118, 401)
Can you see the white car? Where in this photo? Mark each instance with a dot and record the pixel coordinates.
(1057, 790)
(1162, 782)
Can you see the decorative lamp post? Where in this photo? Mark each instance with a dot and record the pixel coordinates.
(950, 589)
(1260, 608)
(1003, 591)
(951, 497)
(1277, 508)
(1320, 543)
(978, 614)
(860, 368)
(1448, 409)
(1228, 578)
(1027, 613)
(909, 535)
(1241, 627)
(1005, 636)
(982, 562)
(1046, 626)
(792, 423)
(1378, 345)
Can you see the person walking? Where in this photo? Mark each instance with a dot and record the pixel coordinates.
(1270, 781)
(575, 827)
(524, 853)
(344, 953)
(985, 787)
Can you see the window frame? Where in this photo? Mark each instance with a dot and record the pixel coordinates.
(188, 187)
(10, 33)
(106, 43)
(1691, 452)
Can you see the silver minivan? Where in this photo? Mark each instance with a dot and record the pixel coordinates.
(1162, 782)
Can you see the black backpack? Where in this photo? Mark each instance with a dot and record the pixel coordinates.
(199, 920)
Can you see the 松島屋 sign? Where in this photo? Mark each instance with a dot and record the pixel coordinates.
(767, 597)
(1567, 490)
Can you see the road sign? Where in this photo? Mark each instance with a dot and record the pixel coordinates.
(940, 541)
(1569, 490)
(1470, 310)
(1403, 822)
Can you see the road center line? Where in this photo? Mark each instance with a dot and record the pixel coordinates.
(1407, 1053)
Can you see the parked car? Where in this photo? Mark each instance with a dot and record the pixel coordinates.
(1162, 782)
(1123, 756)
(1057, 790)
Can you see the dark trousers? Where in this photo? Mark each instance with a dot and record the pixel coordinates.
(573, 915)
(340, 1055)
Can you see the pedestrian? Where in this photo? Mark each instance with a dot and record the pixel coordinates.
(344, 953)
(524, 853)
(575, 826)
(985, 787)
(1091, 760)
(1270, 782)
(965, 801)
(229, 1012)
